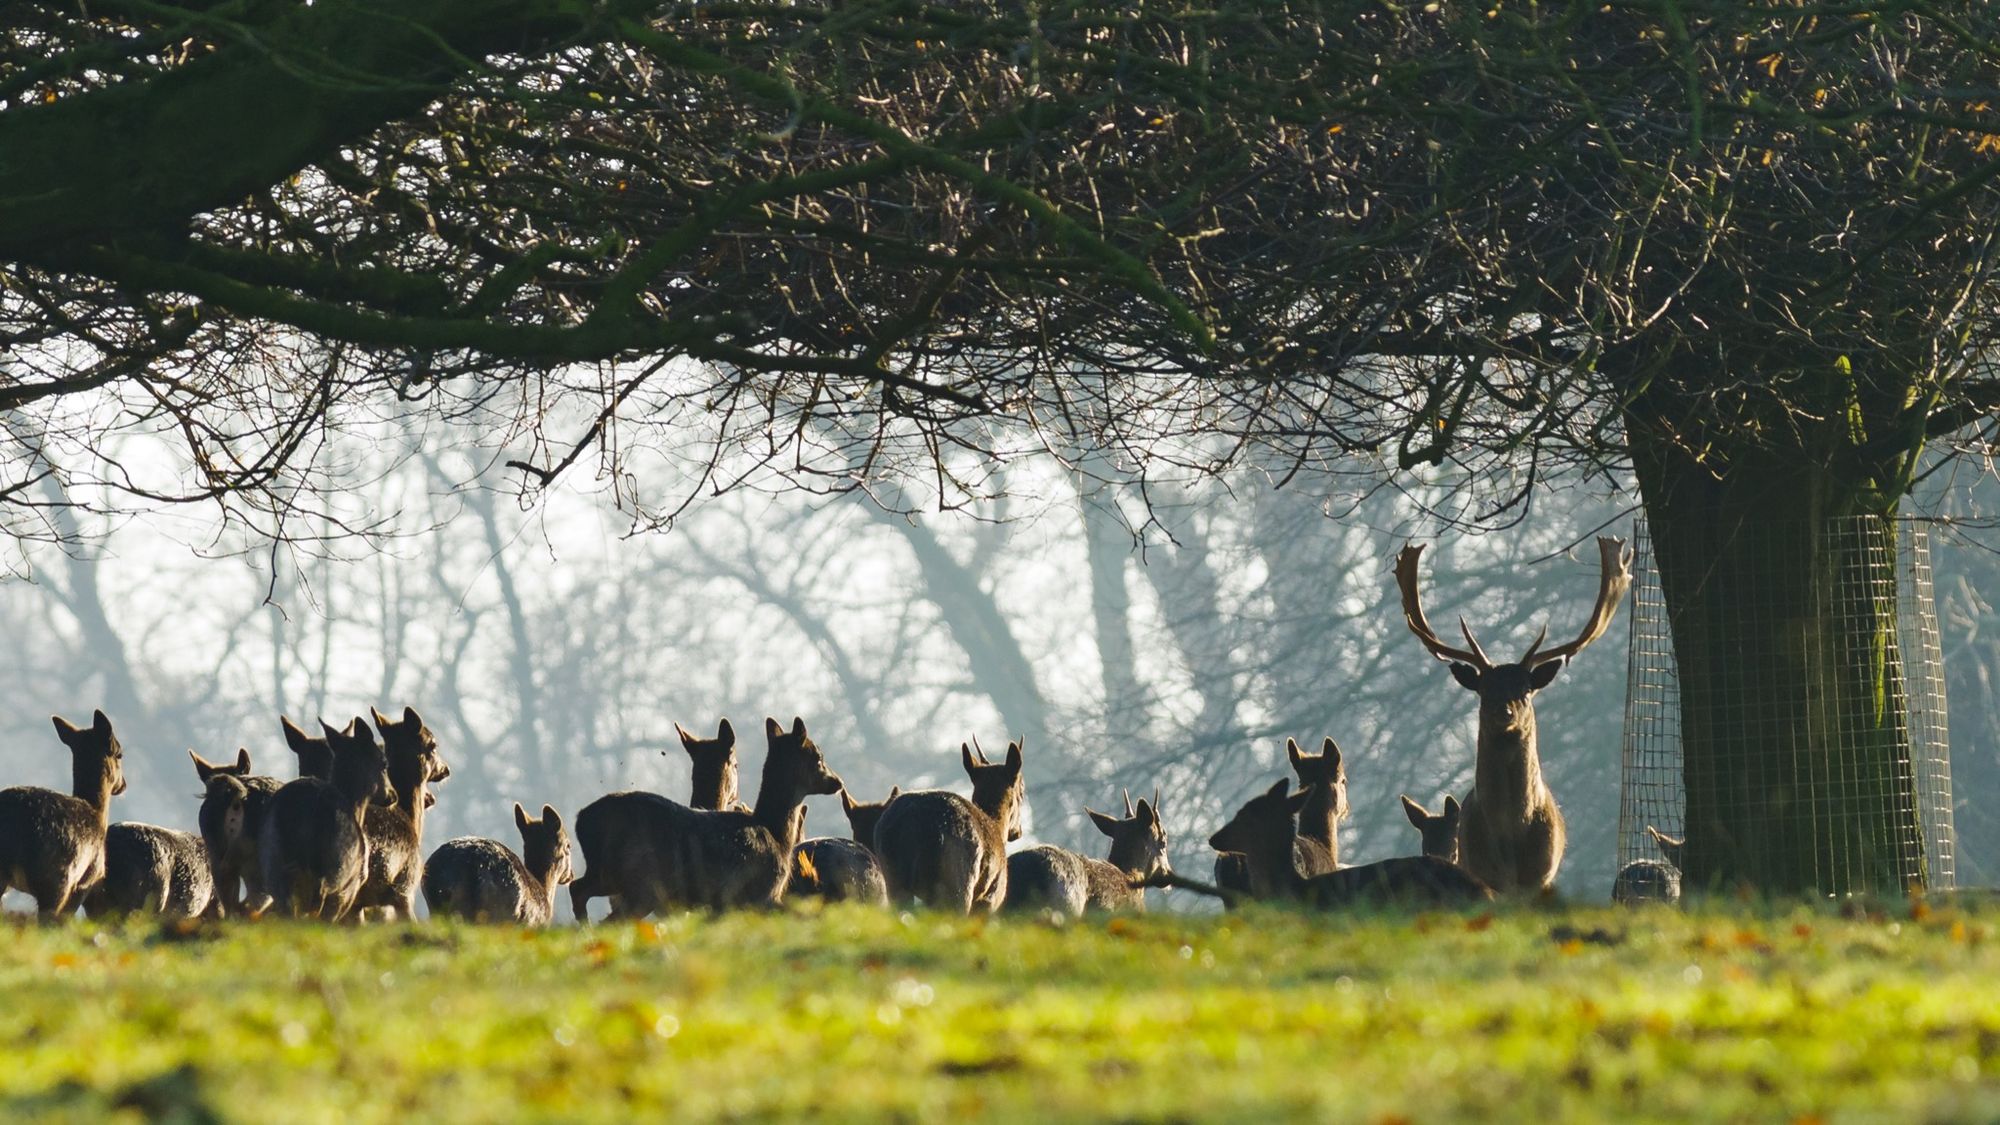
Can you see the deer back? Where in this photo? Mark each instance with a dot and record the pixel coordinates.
(151, 870)
(838, 871)
(1049, 879)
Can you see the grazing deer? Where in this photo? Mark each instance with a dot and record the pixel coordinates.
(1046, 879)
(948, 852)
(313, 847)
(1511, 832)
(650, 853)
(396, 831)
(1138, 854)
(231, 818)
(484, 881)
(1651, 880)
(1317, 850)
(151, 870)
(1262, 831)
(1439, 830)
(52, 844)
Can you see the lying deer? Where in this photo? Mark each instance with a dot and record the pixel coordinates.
(651, 853)
(844, 870)
(1439, 830)
(1138, 855)
(152, 870)
(396, 831)
(1317, 849)
(52, 844)
(1511, 832)
(1046, 879)
(1651, 880)
(484, 881)
(313, 847)
(948, 852)
(1262, 831)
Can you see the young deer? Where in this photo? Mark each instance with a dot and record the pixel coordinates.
(1439, 830)
(231, 818)
(152, 870)
(649, 853)
(313, 847)
(1317, 850)
(1511, 832)
(863, 816)
(484, 881)
(949, 852)
(52, 844)
(1263, 829)
(837, 870)
(1138, 853)
(1047, 879)
(1651, 880)
(714, 761)
(396, 831)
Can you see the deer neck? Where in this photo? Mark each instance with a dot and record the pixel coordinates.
(543, 875)
(1508, 772)
(714, 786)
(1320, 820)
(1272, 873)
(94, 789)
(777, 809)
(999, 814)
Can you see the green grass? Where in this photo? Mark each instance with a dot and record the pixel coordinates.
(1576, 1015)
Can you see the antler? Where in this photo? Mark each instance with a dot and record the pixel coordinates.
(1130, 812)
(1413, 615)
(1614, 578)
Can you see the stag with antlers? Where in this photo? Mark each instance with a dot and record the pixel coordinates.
(1510, 831)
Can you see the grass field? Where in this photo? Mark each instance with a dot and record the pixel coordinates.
(1786, 1015)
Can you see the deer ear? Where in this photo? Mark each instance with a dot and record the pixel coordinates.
(846, 802)
(895, 791)
(725, 734)
(243, 759)
(1450, 807)
(772, 730)
(411, 719)
(1293, 752)
(298, 740)
(798, 726)
(1148, 814)
(65, 730)
(1416, 812)
(1014, 758)
(332, 732)
(551, 818)
(202, 769)
(1545, 674)
(360, 732)
(1283, 786)
(1466, 675)
(965, 755)
(381, 720)
(1105, 824)
(521, 820)
(687, 740)
(1330, 750)
(99, 722)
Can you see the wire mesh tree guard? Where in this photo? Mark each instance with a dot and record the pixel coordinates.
(1838, 770)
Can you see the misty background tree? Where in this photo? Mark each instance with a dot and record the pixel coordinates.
(1738, 252)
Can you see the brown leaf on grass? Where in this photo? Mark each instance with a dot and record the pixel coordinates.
(1479, 923)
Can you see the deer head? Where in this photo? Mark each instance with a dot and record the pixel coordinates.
(1262, 830)
(97, 761)
(1138, 839)
(411, 748)
(315, 756)
(1324, 768)
(862, 816)
(544, 845)
(1439, 830)
(996, 789)
(1506, 691)
(714, 761)
(360, 769)
(205, 769)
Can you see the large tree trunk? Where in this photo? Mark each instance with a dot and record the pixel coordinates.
(1780, 592)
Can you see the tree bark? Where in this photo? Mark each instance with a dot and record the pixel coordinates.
(1779, 583)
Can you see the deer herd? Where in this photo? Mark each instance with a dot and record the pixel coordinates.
(344, 839)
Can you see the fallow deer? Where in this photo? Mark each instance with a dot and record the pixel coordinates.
(1317, 850)
(863, 816)
(714, 762)
(837, 870)
(152, 870)
(231, 818)
(1651, 880)
(396, 831)
(948, 852)
(312, 846)
(1262, 832)
(485, 881)
(1138, 854)
(652, 853)
(52, 844)
(1046, 879)
(1439, 830)
(1511, 832)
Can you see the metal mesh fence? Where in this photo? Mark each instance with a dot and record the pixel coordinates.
(1839, 769)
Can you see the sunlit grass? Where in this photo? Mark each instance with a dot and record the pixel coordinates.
(1579, 1015)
